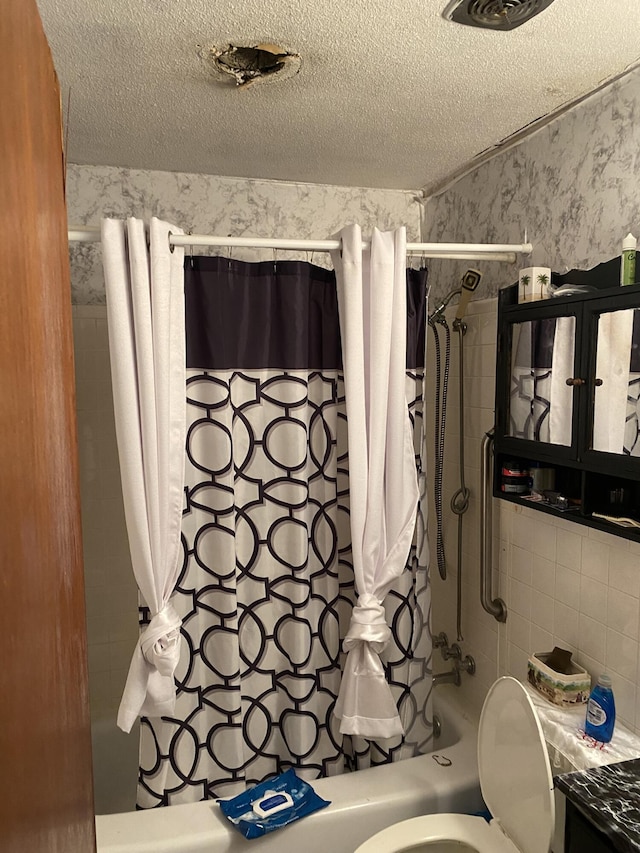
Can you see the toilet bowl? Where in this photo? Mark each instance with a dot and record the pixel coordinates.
(516, 784)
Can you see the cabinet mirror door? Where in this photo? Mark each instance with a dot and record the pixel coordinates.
(542, 360)
(617, 383)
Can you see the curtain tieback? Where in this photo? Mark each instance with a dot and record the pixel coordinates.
(160, 640)
(368, 625)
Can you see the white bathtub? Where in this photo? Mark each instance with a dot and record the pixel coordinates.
(362, 803)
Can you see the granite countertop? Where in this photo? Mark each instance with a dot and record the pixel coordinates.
(609, 797)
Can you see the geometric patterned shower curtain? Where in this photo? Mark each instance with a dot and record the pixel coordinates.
(266, 587)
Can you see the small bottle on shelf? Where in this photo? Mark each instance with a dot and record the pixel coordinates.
(628, 260)
(515, 479)
(601, 711)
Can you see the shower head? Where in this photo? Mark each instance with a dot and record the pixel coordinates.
(470, 282)
(494, 14)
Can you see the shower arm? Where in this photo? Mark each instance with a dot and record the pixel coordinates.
(494, 606)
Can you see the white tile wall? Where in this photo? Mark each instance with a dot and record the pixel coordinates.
(564, 584)
(591, 616)
(110, 589)
(480, 632)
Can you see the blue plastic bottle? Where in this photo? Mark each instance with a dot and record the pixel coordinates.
(601, 711)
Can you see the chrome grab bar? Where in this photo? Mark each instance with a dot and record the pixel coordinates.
(495, 606)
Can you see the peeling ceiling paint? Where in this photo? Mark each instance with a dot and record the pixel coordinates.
(389, 94)
(246, 65)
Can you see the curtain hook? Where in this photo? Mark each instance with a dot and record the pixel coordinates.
(229, 257)
(190, 232)
(275, 261)
(171, 246)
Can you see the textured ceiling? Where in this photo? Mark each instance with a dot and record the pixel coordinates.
(389, 95)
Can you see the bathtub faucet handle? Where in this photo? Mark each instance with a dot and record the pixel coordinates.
(454, 651)
(441, 641)
(468, 664)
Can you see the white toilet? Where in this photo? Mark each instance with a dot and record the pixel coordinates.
(516, 783)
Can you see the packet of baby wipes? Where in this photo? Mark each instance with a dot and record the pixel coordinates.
(272, 804)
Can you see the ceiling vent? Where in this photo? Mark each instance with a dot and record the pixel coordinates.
(494, 14)
(247, 65)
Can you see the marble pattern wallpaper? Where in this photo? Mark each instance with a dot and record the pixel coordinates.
(573, 188)
(208, 204)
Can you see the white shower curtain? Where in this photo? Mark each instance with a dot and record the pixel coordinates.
(382, 473)
(145, 310)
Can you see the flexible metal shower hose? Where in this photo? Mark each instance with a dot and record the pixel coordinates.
(442, 385)
(460, 499)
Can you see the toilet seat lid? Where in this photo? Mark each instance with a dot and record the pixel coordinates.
(515, 775)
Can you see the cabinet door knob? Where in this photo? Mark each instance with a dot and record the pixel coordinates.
(598, 382)
(575, 381)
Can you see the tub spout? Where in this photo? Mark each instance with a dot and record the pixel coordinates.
(450, 677)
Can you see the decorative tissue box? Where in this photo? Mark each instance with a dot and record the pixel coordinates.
(534, 283)
(562, 689)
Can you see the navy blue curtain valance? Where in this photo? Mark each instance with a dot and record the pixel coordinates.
(243, 315)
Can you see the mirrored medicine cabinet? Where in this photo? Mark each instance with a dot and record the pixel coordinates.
(567, 438)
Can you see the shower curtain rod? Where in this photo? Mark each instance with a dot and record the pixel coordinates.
(460, 251)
